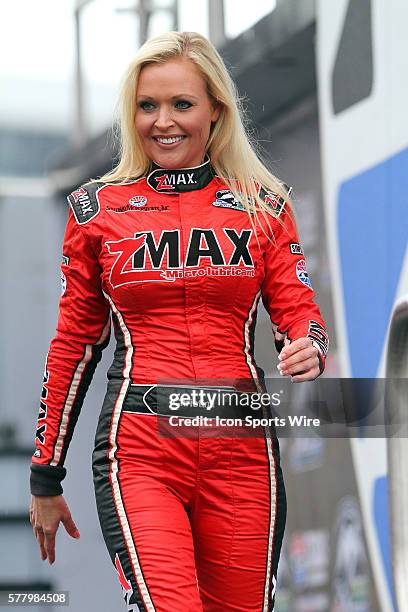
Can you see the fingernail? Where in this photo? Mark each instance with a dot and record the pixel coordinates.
(280, 356)
(77, 534)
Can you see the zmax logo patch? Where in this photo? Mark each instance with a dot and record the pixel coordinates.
(146, 258)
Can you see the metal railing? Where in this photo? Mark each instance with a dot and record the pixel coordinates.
(397, 450)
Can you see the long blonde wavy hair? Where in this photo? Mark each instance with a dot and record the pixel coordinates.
(229, 147)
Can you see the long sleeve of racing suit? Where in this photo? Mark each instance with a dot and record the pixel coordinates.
(82, 332)
(287, 292)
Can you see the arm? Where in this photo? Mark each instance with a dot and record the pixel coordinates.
(299, 329)
(82, 332)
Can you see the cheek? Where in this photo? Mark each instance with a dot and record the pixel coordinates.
(142, 125)
(202, 126)
(204, 133)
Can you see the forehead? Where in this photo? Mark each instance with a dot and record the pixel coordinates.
(170, 77)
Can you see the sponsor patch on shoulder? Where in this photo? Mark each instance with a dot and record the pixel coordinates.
(224, 198)
(85, 203)
(302, 274)
(275, 201)
(295, 248)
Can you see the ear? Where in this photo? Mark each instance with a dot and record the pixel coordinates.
(216, 112)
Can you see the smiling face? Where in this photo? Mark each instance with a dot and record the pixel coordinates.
(174, 113)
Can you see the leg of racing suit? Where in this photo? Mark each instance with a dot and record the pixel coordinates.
(238, 521)
(191, 524)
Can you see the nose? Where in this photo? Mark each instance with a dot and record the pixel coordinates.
(164, 119)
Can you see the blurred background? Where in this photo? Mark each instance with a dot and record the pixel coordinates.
(326, 94)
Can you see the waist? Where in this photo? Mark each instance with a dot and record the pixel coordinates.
(238, 398)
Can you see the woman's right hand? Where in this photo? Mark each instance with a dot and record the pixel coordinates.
(45, 516)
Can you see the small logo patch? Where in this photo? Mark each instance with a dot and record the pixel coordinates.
(302, 274)
(84, 204)
(37, 453)
(138, 201)
(295, 248)
(65, 260)
(275, 201)
(225, 199)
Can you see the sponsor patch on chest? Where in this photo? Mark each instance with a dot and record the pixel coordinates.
(224, 198)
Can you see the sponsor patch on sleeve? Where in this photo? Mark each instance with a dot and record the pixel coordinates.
(301, 273)
(295, 248)
(65, 260)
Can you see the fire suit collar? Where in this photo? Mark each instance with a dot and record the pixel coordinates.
(164, 180)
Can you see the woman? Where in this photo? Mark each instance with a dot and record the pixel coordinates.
(177, 244)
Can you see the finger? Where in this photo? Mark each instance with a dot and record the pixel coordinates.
(70, 527)
(49, 545)
(40, 539)
(301, 366)
(310, 375)
(294, 347)
(39, 534)
(301, 355)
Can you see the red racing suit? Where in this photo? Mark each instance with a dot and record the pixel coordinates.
(173, 259)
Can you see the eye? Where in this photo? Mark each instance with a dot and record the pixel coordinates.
(146, 106)
(183, 104)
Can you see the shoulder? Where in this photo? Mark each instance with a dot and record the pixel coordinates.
(89, 199)
(84, 201)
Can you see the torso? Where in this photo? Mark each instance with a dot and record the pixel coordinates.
(183, 273)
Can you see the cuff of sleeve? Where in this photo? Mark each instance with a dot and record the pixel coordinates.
(45, 480)
(321, 357)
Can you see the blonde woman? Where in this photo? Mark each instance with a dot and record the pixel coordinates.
(176, 245)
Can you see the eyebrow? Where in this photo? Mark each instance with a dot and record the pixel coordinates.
(181, 95)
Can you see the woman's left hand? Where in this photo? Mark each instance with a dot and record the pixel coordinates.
(300, 360)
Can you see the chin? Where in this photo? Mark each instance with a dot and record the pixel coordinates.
(168, 163)
(172, 162)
